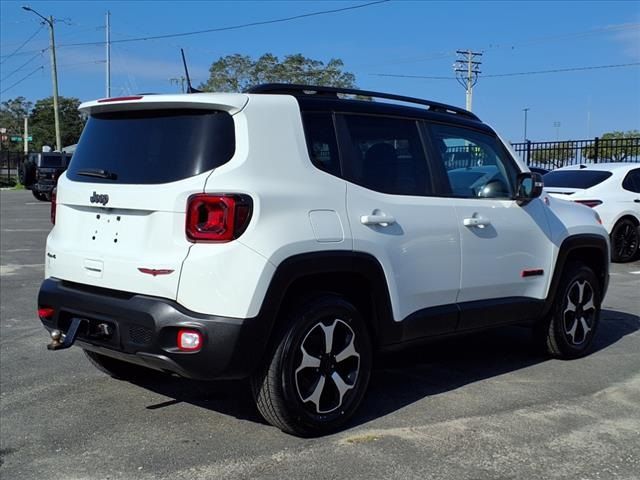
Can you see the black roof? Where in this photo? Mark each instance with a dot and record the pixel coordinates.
(330, 95)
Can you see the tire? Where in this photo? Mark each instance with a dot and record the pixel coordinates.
(625, 238)
(27, 173)
(40, 196)
(301, 388)
(119, 369)
(570, 327)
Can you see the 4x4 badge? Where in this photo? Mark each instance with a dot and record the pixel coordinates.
(99, 198)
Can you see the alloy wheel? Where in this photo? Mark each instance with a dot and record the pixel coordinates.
(328, 366)
(579, 312)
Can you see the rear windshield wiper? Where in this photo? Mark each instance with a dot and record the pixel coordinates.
(96, 172)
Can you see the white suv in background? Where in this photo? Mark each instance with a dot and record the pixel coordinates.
(288, 234)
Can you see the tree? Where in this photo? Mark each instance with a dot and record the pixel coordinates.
(616, 146)
(12, 113)
(236, 73)
(42, 123)
(555, 154)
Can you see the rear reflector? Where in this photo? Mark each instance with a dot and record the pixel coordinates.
(217, 218)
(53, 205)
(119, 99)
(589, 203)
(46, 312)
(189, 340)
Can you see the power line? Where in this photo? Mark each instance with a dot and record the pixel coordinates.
(23, 65)
(22, 45)
(232, 27)
(22, 79)
(557, 70)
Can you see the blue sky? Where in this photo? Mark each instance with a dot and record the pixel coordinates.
(397, 37)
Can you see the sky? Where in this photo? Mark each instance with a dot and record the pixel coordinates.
(384, 44)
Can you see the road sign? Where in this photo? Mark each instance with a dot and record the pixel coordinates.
(19, 139)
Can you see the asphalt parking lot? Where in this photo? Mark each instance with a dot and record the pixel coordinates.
(481, 407)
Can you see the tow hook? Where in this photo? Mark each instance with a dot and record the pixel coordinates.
(60, 341)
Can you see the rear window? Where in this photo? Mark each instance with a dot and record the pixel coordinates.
(575, 178)
(52, 161)
(152, 146)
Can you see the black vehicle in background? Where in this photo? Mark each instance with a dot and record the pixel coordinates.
(40, 171)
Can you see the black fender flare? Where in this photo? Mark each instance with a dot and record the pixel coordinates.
(572, 244)
(332, 262)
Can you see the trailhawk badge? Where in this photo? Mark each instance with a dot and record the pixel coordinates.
(99, 198)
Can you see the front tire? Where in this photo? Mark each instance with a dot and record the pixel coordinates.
(318, 372)
(625, 238)
(569, 330)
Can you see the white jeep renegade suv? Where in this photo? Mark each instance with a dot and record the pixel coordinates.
(289, 233)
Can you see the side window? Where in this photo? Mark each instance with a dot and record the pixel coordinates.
(386, 155)
(321, 141)
(477, 165)
(632, 181)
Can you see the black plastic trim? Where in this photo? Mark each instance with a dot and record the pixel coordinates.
(229, 343)
(572, 244)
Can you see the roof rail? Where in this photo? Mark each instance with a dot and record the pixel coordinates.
(296, 89)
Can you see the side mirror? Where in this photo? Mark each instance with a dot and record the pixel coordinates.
(529, 186)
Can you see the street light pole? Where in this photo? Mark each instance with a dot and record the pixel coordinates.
(54, 76)
(525, 110)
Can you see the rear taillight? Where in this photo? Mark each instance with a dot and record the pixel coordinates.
(589, 203)
(53, 206)
(217, 218)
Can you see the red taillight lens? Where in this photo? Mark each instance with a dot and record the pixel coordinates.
(189, 340)
(589, 203)
(53, 206)
(46, 312)
(217, 218)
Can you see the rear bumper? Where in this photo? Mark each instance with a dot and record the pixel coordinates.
(145, 330)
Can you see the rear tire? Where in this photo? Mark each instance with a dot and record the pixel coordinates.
(625, 238)
(569, 329)
(27, 173)
(318, 372)
(40, 196)
(119, 369)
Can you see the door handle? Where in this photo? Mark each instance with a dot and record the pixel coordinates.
(637, 200)
(474, 221)
(382, 220)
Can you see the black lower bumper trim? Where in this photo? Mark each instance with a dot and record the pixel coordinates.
(144, 331)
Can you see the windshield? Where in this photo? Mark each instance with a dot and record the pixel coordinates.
(152, 146)
(575, 178)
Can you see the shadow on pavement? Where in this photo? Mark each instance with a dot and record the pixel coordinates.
(402, 378)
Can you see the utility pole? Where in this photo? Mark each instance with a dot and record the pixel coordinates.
(54, 76)
(525, 110)
(26, 135)
(108, 54)
(557, 127)
(467, 70)
(178, 81)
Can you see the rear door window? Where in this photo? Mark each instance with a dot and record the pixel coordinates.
(632, 181)
(152, 146)
(575, 178)
(386, 154)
